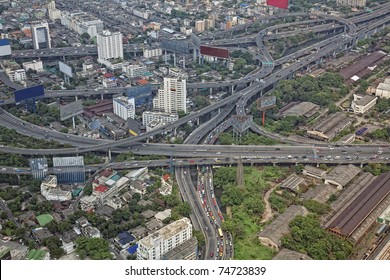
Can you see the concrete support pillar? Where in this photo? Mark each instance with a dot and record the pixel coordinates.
(184, 62)
(109, 154)
(232, 89)
(194, 54)
(318, 165)
(197, 121)
(165, 56)
(102, 96)
(147, 140)
(219, 110)
(361, 165)
(175, 132)
(76, 97)
(174, 59)
(74, 123)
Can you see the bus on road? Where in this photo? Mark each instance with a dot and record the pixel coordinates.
(220, 232)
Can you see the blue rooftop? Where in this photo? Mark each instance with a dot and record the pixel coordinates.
(132, 249)
(116, 177)
(125, 238)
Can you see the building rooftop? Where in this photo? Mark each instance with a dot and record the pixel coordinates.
(280, 226)
(306, 109)
(366, 99)
(321, 193)
(182, 251)
(342, 174)
(148, 214)
(292, 182)
(361, 64)
(346, 221)
(314, 170)
(166, 232)
(44, 219)
(34, 254)
(287, 254)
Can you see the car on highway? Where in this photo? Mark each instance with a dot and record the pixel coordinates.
(212, 254)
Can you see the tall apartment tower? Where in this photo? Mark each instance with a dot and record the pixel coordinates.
(41, 36)
(110, 45)
(155, 245)
(172, 98)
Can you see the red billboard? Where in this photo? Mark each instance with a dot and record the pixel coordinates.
(216, 52)
(283, 4)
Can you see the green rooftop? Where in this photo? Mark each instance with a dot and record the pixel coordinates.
(36, 254)
(44, 219)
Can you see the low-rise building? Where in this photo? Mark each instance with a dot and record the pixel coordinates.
(287, 254)
(88, 203)
(68, 241)
(383, 89)
(341, 175)
(152, 52)
(124, 240)
(40, 255)
(329, 127)
(35, 65)
(314, 172)
(361, 104)
(320, 193)
(162, 215)
(148, 116)
(16, 75)
(157, 244)
(292, 183)
(51, 191)
(272, 233)
(135, 70)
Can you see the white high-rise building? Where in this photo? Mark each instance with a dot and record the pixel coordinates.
(172, 98)
(124, 107)
(155, 245)
(41, 36)
(110, 45)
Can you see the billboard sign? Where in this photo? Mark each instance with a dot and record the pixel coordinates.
(195, 40)
(71, 110)
(283, 4)
(66, 69)
(266, 102)
(175, 46)
(215, 52)
(5, 47)
(34, 92)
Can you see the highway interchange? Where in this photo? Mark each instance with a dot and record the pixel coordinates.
(205, 155)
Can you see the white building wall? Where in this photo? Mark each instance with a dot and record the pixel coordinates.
(172, 98)
(124, 107)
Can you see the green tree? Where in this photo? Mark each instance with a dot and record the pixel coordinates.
(94, 248)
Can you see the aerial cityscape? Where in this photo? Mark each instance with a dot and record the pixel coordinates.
(195, 130)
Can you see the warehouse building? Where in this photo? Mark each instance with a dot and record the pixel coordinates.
(292, 183)
(314, 172)
(287, 254)
(321, 193)
(356, 218)
(341, 175)
(273, 233)
(345, 197)
(305, 109)
(330, 126)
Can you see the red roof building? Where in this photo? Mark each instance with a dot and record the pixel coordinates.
(101, 189)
